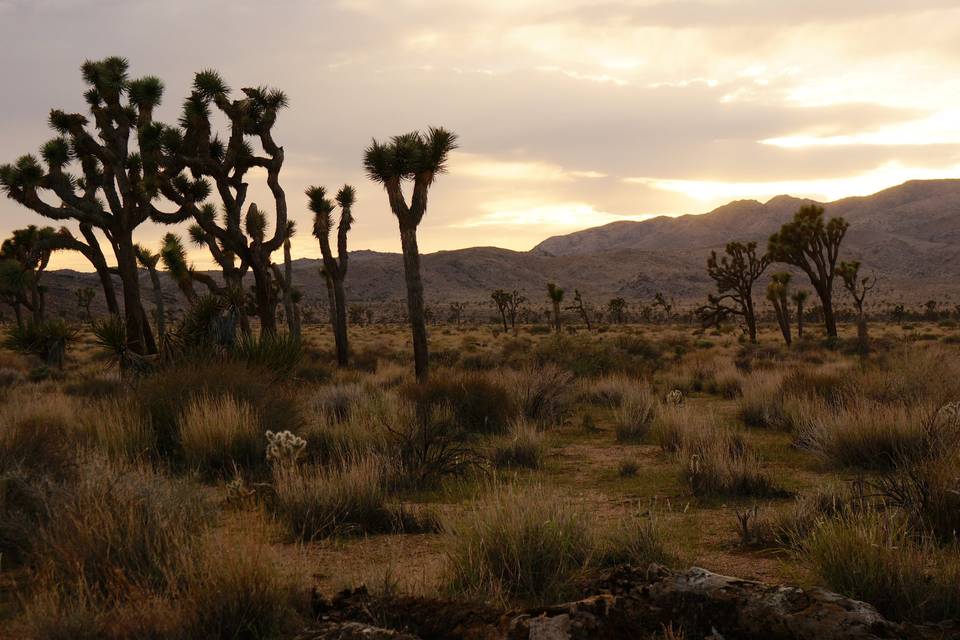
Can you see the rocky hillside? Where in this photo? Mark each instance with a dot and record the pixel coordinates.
(910, 235)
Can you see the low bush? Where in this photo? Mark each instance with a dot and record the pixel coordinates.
(220, 433)
(540, 395)
(633, 418)
(480, 405)
(523, 447)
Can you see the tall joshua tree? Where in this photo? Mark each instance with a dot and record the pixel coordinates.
(501, 298)
(858, 288)
(334, 269)
(118, 181)
(195, 147)
(30, 248)
(735, 274)
(777, 292)
(555, 295)
(579, 307)
(799, 297)
(419, 158)
(812, 245)
(89, 247)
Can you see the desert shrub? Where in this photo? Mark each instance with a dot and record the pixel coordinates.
(117, 428)
(628, 468)
(165, 395)
(532, 545)
(527, 544)
(219, 432)
(761, 404)
(522, 447)
(48, 340)
(758, 356)
(444, 357)
(10, 377)
(426, 445)
(541, 395)
(725, 380)
(789, 528)
(119, 527)
(589, 357)
(278, 353)
(637, 541)
(336, 400)
(94, 387)
(480, 404)
(633, 417)
(874, 556)
(716, 462)
(314, 503)
(240, 594)
(672, 426)
(608, 390)
(928, 490)
(868, 435)
(24, 499)
(37, 433)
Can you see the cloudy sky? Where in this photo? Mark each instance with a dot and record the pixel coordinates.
(570, 113)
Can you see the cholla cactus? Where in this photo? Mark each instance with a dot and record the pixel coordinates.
(284, 448)
(675, 398)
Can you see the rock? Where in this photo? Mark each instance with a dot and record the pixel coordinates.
(632, 603)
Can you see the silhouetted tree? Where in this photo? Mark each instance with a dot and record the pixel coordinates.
(514, 302)
(335, 269)
(660, 301)
(799, 297)
(149, 261)
(555, 294)
(29, 249)
(777, 292)
(456, 312)
(735, 274)
(501, 299)
(226, 164)
(420, 158)
(85, 296)
(858, 288)
(809, 243)
(119, 183)
(579, 307)
(930, 309)
(615, 309)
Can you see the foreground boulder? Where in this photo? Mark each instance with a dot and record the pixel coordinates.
(628, 603)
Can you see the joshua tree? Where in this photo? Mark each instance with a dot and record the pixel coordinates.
(555, 294)
(89, 247)
(615, 310)
(291, 295)
(334, 269)
(226, 164)
(809, 243)
(799, 297)
(30, 249)
(149, 261)
(735, 274)
(456, 312)
(659, 300)
(930, 309)
(85, 296)
(419, 158)
(118, 183)
(712, 313)
(579, 308)
(233, 273)
(858, 288)
(777, 292)
(898, 313)
(501, 299)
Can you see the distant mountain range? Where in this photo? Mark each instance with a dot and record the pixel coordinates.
(909, 235)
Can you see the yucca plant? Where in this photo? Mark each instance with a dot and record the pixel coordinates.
(417, 157)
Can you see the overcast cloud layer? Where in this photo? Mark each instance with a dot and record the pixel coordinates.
(570, 113)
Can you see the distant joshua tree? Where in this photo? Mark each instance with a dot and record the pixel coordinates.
(735, 274)
(898, 313)
(335, 269)
(456, 312)
(579, 307)
(615, 309)
(555, 295)
(85, 296)
(858, 288)
(930, 309)
(25, 256)
(501, 298)
(809, 243)
(777, 292)
(420, 158)
(799, 297)
(660, 301)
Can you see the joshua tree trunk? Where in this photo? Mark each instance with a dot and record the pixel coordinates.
(826, 303)
(19, 314)
(96, 258)
(340, 322)
(556, 316)
(158, 304)
(415, 304)
(800, 319)
(751, 320)
(288, 304)
(266, 305)
(137, 327)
